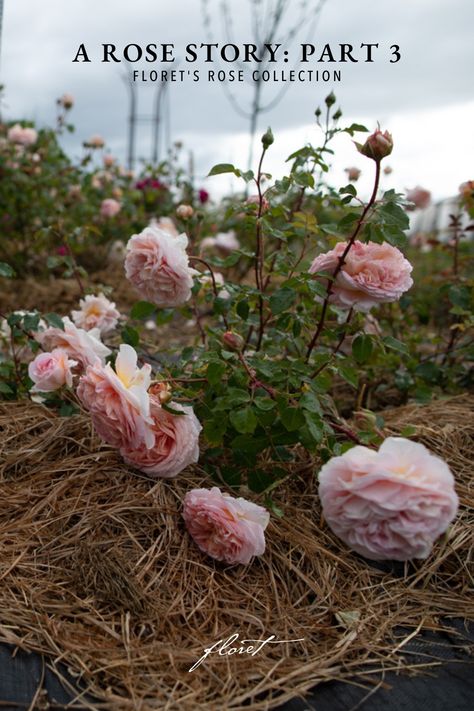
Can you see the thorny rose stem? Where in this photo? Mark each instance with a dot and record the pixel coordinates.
(341, 261)
(214, 283)
(259, 253)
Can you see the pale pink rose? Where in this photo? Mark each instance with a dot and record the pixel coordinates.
(176, 442)
(228, 529)
(101, 179)
(110, 207)
(353, 174)
(206, 279)
(391, 504)
(227, 241)
(74, 191)
(118, 400)
(184, 212)
(420, 198)
(157, 266)
(50, 371)
(95, 141)
(96, 312)
(377, 146)
(21, 135)
(372, 274)
(67, 101)
(207, 243)
(255, 200)
(84, 346)
(108, 160)
(117, 252)
(166, 224)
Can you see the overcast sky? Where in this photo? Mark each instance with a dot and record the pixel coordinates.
(426, 99)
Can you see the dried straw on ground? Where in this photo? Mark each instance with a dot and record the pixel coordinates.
(97, 572)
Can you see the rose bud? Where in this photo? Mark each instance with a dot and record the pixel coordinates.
(184, 211)
(419, 197)
(377, 146)
(255, 200)
(353, 174)
(162, 391)
(67, 101)
(267, 138)
(233, 341)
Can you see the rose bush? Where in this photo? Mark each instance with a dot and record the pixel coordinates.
(252, 322)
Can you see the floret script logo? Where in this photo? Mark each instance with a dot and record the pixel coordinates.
(233, 645)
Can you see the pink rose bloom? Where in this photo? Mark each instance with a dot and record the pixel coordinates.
(118, 400)
(21, 135)
(176, 442)
(96, 312)
(391, 504)
(95, 141)
(372, 274)
(227, 241)
(84, 346)
(110, 207)
(353, 174)
(228, 529)
(157, 266)
(67, 101)
(420, 198)
(108, 160)
(165, 224)
(50, 371)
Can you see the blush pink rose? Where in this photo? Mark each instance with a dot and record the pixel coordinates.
(165, 224)
(391, 504)
(23, 136)
(372, 274)
(84, 346)
(353, 174)
(50, 371)
(157, 266)
(420, 198)
(118, 400)
(228, 529)
(176, 442)
(110, 207)
(96, 312)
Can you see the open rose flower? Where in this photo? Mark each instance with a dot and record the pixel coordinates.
(157, 266)
(66, 101)
(95, 141)
(353, 174)
(391, 504)
(165, 224)
(372, 274)
(419, 197)
(110, 207)
(22, 136)
(96, 312)
(228, 529)
(118, 400)
(50, 371)
(84, 346)
(176, 442)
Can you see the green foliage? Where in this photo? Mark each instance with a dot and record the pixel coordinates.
(275, 400)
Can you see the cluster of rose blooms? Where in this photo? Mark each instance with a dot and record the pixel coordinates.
(393, 503)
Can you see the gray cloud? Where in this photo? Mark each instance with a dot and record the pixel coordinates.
(40, 40)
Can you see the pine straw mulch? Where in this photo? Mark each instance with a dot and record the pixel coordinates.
(97, 572)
